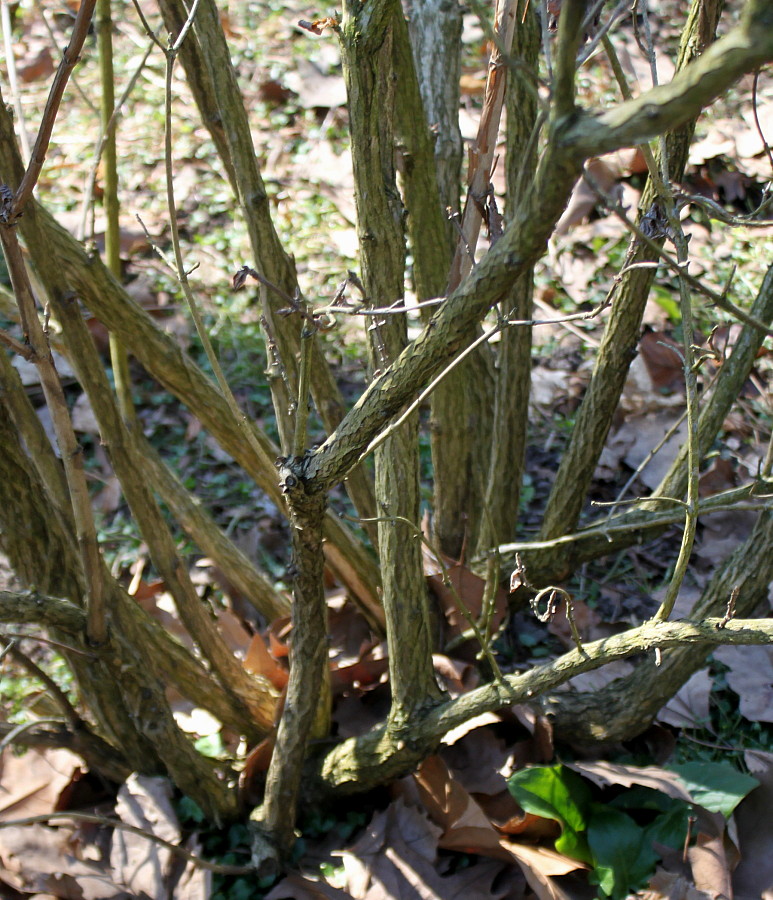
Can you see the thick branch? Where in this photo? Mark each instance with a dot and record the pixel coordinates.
(361, 763)
(34, 608)
(625, 707)
(666, 107)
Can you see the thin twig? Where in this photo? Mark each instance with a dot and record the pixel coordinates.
(69, 60)
(105, 137)
(13, 84)
(481, 339)
(23, 350)
(304, 382)
(148, 30)
(55, 41)
(51, 686)
(460, 604)
(757, 122)
(179, 266)
(38, 638)
(15, 733)
(717, 298)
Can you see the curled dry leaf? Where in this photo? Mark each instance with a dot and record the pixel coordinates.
(259, 661)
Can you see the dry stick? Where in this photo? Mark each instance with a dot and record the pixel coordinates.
(69, 60)
(736, 498)
(23, 350)
(70, 450)
(660, 179)
(38, 638)
(620, 10)
(308, 331)
(482, 151)
(59, 696)
(757, 122)
(693, 459)
(717, 298)
(15, 733)
(45, 818)
(55, 35)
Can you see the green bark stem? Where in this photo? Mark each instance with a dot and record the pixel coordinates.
(525, 238)
(368, 36)
(621, 334)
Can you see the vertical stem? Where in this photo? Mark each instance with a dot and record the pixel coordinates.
(513, 380)
(70, 449)
(618, 344)
(308, 663)
(10, 64)
(461, 405)
(118, 355)
(304, 379)
(367, 50)
(482, 153)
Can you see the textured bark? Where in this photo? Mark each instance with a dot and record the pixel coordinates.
(119, 685)
(435, 28)
(362, 763)
(570, 137)
(239, 571)
(621, 334)
(207, 61)
(255, 694)
(511, 402)
(307, 703)
(626, 707)
(160, 355)
(732, 376)
(44, 556)
(367, 44)
(461, 408)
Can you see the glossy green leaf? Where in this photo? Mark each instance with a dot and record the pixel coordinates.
(718, 787)
(555, 792)
(623, 856)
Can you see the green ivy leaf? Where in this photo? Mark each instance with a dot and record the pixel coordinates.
(555, 792)
(211, 745)
(718, 787)
(623, 857)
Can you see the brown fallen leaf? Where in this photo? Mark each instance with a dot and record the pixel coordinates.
(144, 867)
(396, 858)
(297, 887)
(259, 661)
(750, 676)
(753, 877)
(689, 708)
(32, 783)
(461, 583)
(605, 773)
(37, 859)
